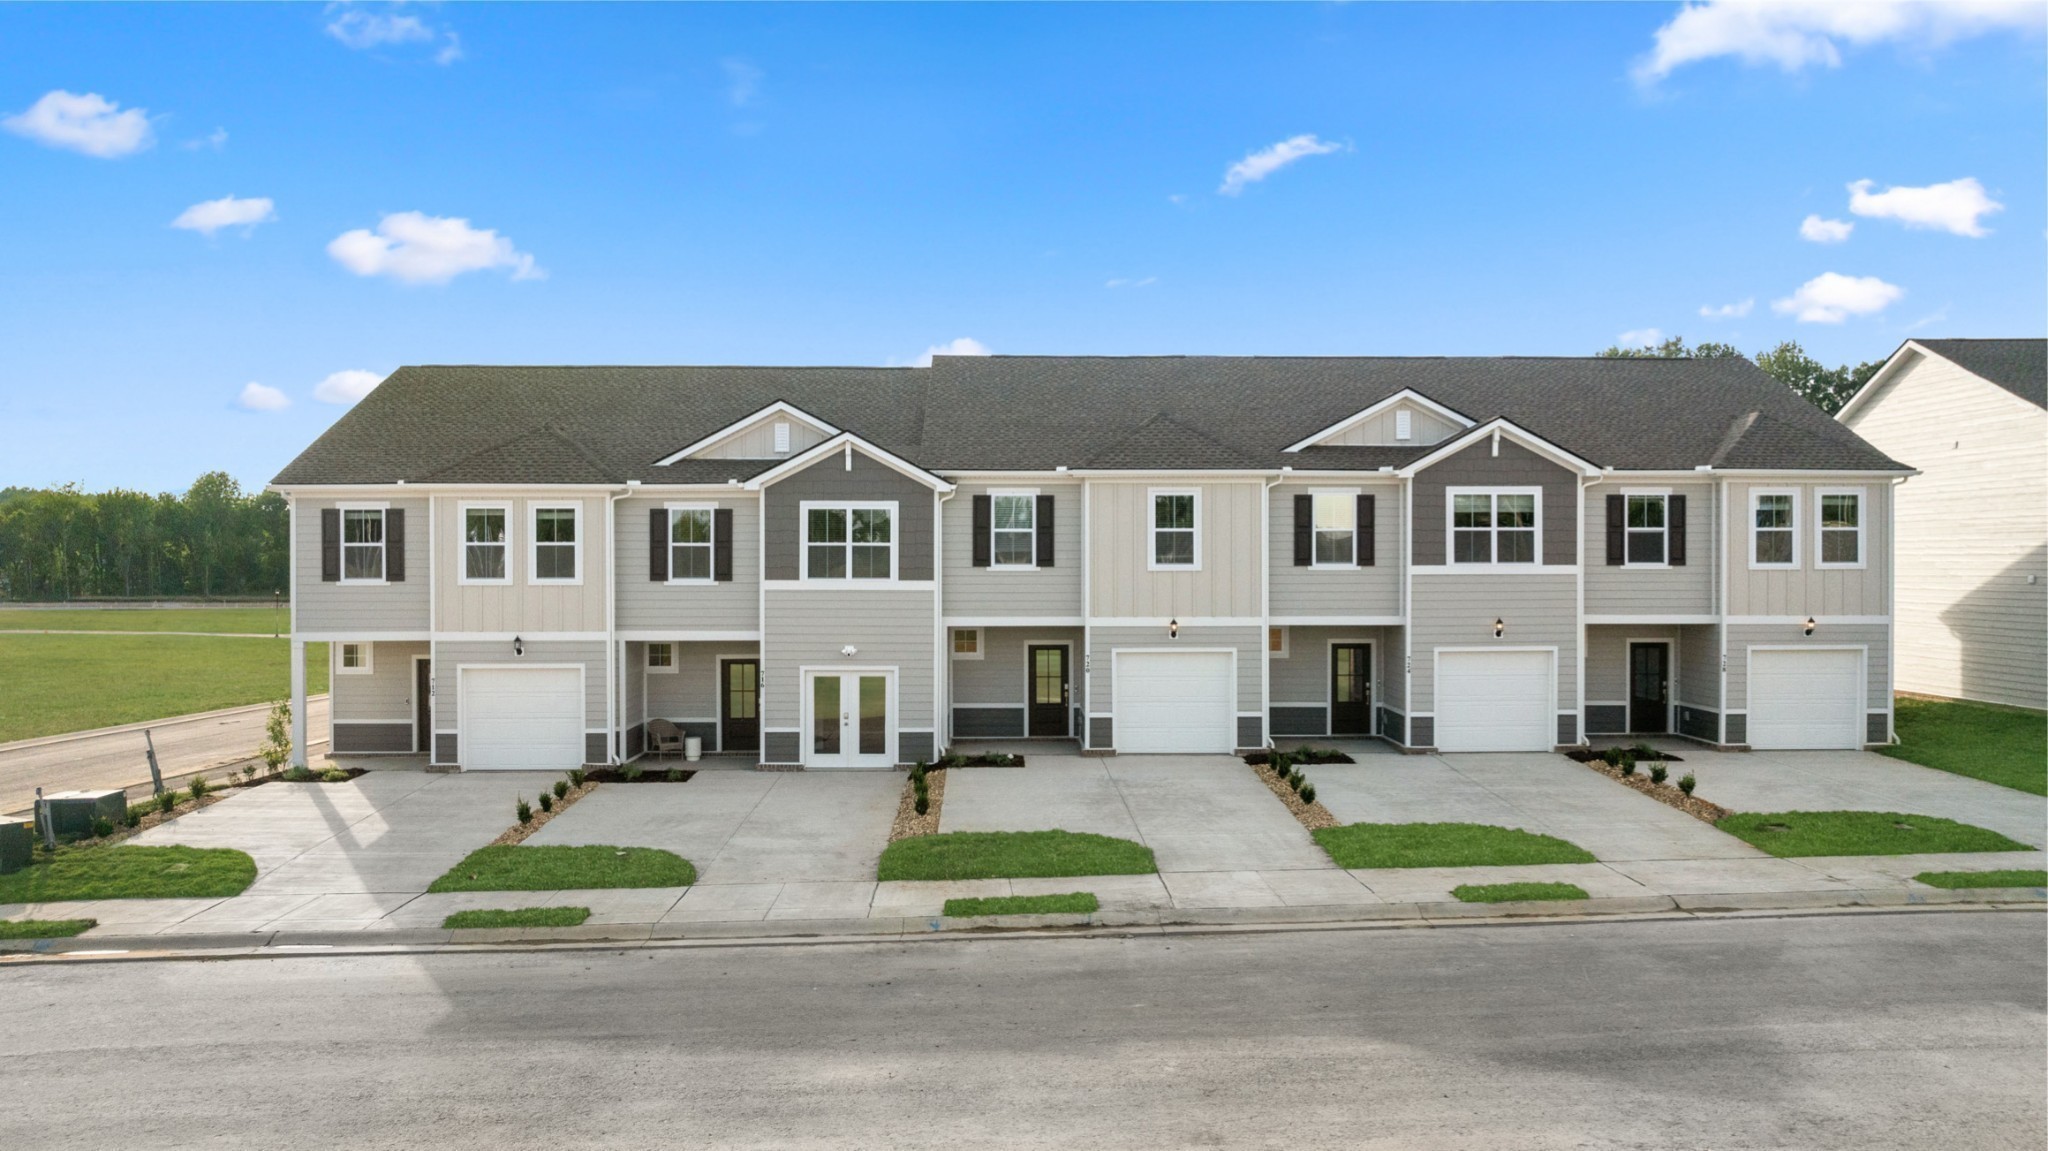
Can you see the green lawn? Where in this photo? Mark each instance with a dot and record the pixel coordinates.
(60, 683)
(123, 872)
(520, 917)
(1443, 845)
(522, 868)
(44, 928)
(1797, 833)
(2003, 745)
(244, 620)
(1013, 855)
(1966, 879)
(1516, 892)
(1071, 903)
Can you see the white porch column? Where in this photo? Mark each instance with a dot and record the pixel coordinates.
(298, 703)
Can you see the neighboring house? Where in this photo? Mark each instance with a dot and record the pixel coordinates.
(1972, 578)
(518, 567)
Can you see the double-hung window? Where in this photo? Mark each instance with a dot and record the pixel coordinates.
(1773, 534)
(362, 545)
(1336, 526)
(849, 541)
(1646, 543)
(1841, 529)
(1013, 527)
(557, 544)
(484, 545)
(1174, 535)
(1495, 527)
(689, 544)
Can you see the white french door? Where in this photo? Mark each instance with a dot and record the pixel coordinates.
(849, 722)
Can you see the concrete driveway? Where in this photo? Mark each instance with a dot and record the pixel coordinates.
(1864, 781)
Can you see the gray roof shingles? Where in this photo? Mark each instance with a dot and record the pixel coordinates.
(494, 425)
(2018, 366)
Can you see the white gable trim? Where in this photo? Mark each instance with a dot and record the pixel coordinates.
(1506, 429)
(778, 408)
(1884, 374)
(847, 441)
(1405, 395)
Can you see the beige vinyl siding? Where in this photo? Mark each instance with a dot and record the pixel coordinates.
(1425, 427)
(1699, 665)
(384, 695)
(1120, 527)
(1972, 528)
(757, 441)
(521, 605)
(1304, 676)
(1741, 637)
(1246, 641)
(1354, 591)
(808, 628)
(451, 655)
(1808, 589)
(645, 605)
(1001, 677)
(1459, 610)
(361, 608)
(1046, 591)
(1607, 658)
(1640, 591)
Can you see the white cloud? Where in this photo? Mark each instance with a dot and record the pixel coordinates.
(216, 140)
(90, 124)
(1825, 231)
(210, 216)
(1147, 282)
(1640, 338)
(361, 30)
(450, 52)
(346, 387)
(1937, 316)
(1831, 297)
(1952, 207)
(1728, 311)
(262, 398)
(421, 249)
(742, 82)
(1796, 34)
(964, 346)
(1258, 165)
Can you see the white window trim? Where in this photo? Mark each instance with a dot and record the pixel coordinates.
(674, 658)
(533, 544)
(1755, 498)
(383, 542)
(1451, 495)
(1317, 564)
(1152, 529)
(462, 511)
(369, 651)
(980, 643)
(1862, 521)
(996, 494)
(1285, 650)
(804, 510)
(1626, 531)
(712, 577)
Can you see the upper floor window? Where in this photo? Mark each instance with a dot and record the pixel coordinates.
(1493, 527)
(484, 545)
(1773, 538)
(557, 544)
(661, 657)
(362, 544)
(849, 541)
(1336, 526)
(1647, 539)
(689, 543)
(1174, 534)
(1841, 529)
(1013, 520)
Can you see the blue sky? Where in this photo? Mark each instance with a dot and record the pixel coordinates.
(857, 185)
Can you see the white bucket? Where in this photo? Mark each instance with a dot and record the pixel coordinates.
(693, 748)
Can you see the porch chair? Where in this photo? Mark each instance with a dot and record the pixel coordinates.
(664, 738)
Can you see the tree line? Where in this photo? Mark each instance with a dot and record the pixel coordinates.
(214, 540)
(1824, 387)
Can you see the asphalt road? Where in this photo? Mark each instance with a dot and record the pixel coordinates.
(1861, 1031)
(115, 758)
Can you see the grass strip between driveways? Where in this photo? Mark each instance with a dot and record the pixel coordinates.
(1955, 880)
(519, 917)
(1516, 892)
(45, 928)
(125, 872)
(1443, 845)
(1071, 903)
(1013, 855)
(1790, 834)
(553, 868)
(2007, 746)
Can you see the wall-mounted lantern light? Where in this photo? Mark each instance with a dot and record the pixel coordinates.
(1500, 628)
(1810, 625)
(849, 650)
(1173, 629)
(518, 646)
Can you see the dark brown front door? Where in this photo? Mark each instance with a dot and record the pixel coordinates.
(1649, 687)
(422, 705)
(1351, 689)
(1048, 691)
(739, 705)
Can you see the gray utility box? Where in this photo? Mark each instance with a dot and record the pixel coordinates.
(15, 844)
(72, 812)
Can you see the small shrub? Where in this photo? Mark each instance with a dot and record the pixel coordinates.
(1297, 781)
(1645, 751)
(561, 789)
(299, 775)
(1281, 764)
(1627, 764)
(1659, 773)
(917, 771)
(277, 736)
(1308, 793)
(334, 775)
(199, 787)
(133, 816)
(676, 775)
(1613, 756)
(102, 827)
(1686, 783)
(631, 772)
(923, 803)
(167, 801)
(576, 777)
(547, 802)
(525, 811)
(248, 772)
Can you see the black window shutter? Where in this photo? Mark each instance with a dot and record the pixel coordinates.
(1367, 522)
(330, 545)
(1674, 520)
(394, 545)
(984, 523)
(1044, 526)
(657, 545)
(721, 545)
(1617, 530)
(1304, 531)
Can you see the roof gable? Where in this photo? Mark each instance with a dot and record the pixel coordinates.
(849, 443)
(776, 432)
(1424, 421)
(1496, 431)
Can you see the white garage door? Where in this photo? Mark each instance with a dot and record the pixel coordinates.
(1174, 702)
(521, 719)
(1495, 701)
(1805, 699)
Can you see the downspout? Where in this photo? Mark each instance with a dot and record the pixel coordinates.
(942, 679)
(1891, 611)
(433, 630)
(1722, 559)
(296, 650)
(1087, 617)
(1266, 610)
(1407, 739)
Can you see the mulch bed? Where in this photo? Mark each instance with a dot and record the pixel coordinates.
(1313, 816)
(1588, 755)
(909, 823)
(258, 780)
(655, 774)
(981, 759)
(1308, 755)
(518, 832)
(1664, 793)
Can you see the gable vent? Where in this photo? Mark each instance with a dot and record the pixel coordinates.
(1404, 424)
(782, 437)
